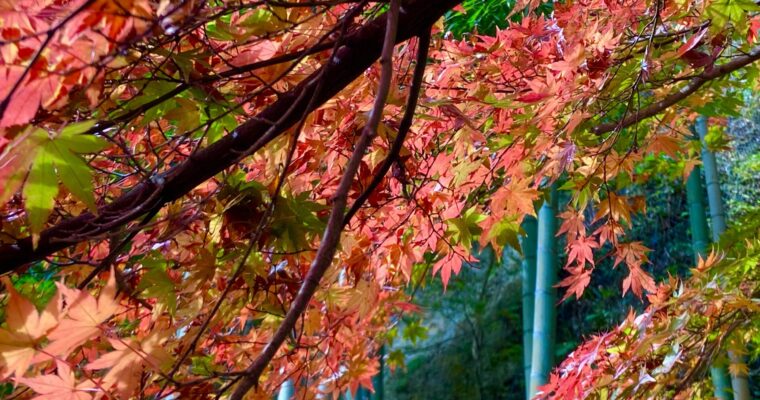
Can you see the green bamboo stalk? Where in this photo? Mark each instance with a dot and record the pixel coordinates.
(377, 380)
(697, 217)
(739, 383)
(714, 200)
(287, 390)
(544, 315)
(528, 244)
(699, 242)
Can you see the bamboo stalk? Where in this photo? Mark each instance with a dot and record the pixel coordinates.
(544, 315)
(699, 243)
(528, 244)
(287, 390)
(739, 383)
(377, 380)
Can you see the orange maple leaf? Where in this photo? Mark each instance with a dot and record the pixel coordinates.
(25, 328)
(451, 262)
(581, 251)
(666, 144)
(638, 279)
(576, 282)
(83, 317)
(62, 386)
(609, 232)
(704, 264)
(573, 59)
(635, 254)
(572, 224)
(129, 359)
(514, 199)
(616, 207)
(689, 166)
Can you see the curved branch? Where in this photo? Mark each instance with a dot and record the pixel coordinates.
(692, 86)
(332, 233)
(362, 47)
(129, 115)
(403, 130)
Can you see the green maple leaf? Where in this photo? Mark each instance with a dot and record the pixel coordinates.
(156, 283)
(58, 157)
(465, 228)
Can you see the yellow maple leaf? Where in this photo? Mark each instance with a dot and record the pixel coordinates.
(25, 328)
(738, 369)
(127, 362)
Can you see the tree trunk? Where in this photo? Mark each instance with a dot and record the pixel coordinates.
(542, 355)
(699, 242)
(739, 383)
(528, 244)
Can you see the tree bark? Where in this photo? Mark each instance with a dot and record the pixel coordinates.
(334, 228)
(685, 91)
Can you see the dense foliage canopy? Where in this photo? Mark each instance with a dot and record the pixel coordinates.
(213, 197)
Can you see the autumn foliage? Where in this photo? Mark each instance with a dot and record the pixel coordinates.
(665, 352)
(174, 166)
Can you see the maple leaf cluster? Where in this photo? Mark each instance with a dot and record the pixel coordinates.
(223, 131)
(663, 352)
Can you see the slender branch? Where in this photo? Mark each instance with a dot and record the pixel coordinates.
(362, 47)
(331, 236)
(406, 122)
(48, 37)
(264, 221)
(118, 247)
(100, 127)
(692, 86)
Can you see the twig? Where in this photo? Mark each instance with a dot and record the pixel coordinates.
(406, 122)
(331, 236)
(692, 86)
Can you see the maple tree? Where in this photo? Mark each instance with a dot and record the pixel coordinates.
(232, 194)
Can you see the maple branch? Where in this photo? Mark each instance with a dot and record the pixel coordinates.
(253, 240)
(362, 47)
(118, 247)
(127, 116)
(335, 225)
(692, 86)
(406, 122)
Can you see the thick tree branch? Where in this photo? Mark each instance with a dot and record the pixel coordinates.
(332, 233)
(692, 86)
(362, 47)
